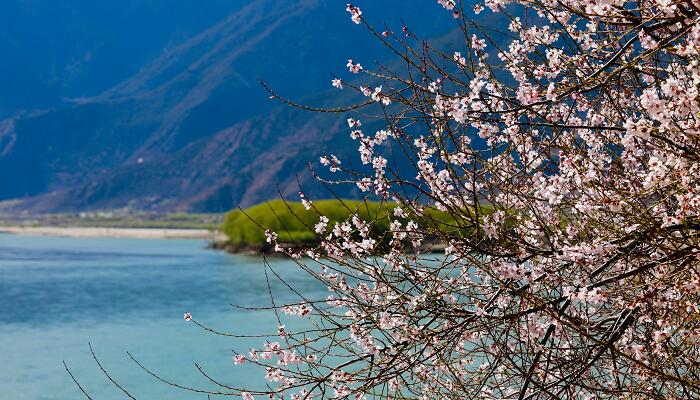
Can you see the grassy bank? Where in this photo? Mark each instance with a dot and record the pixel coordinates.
(295, 225)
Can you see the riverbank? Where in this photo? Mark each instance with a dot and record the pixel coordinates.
(108, 232)
(428, 246)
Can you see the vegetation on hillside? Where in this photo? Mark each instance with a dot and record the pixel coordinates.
(294, 224)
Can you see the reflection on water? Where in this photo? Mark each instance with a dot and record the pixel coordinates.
(58, 294)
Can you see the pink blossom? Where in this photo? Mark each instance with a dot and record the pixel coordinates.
(320, 227)
(355, 68)
(460, 59)
(270, 237)
(448, 4)
(355, 13)
(478, 44)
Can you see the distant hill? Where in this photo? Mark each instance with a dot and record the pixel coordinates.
(53, 50)
(191, 129)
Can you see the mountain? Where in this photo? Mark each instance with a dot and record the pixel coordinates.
(191, 129)
(57, 49)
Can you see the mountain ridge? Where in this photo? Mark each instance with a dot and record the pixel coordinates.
(192, 130)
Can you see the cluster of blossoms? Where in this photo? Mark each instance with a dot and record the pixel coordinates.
(355, 13)
(355, 68)
(555, 169)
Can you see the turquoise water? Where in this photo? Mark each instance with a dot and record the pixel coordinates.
(59, 294)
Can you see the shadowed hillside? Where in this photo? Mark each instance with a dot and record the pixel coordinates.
(193, 129)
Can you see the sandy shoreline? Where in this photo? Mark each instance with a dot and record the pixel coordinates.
(96, 232)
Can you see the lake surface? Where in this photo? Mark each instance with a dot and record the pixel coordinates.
(59, 294)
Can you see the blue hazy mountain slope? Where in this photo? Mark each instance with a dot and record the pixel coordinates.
(61, 49)
(191, 128)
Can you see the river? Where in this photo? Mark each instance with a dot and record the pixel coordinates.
(59, 294)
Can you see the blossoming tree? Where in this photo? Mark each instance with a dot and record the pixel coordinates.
(566, 151)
